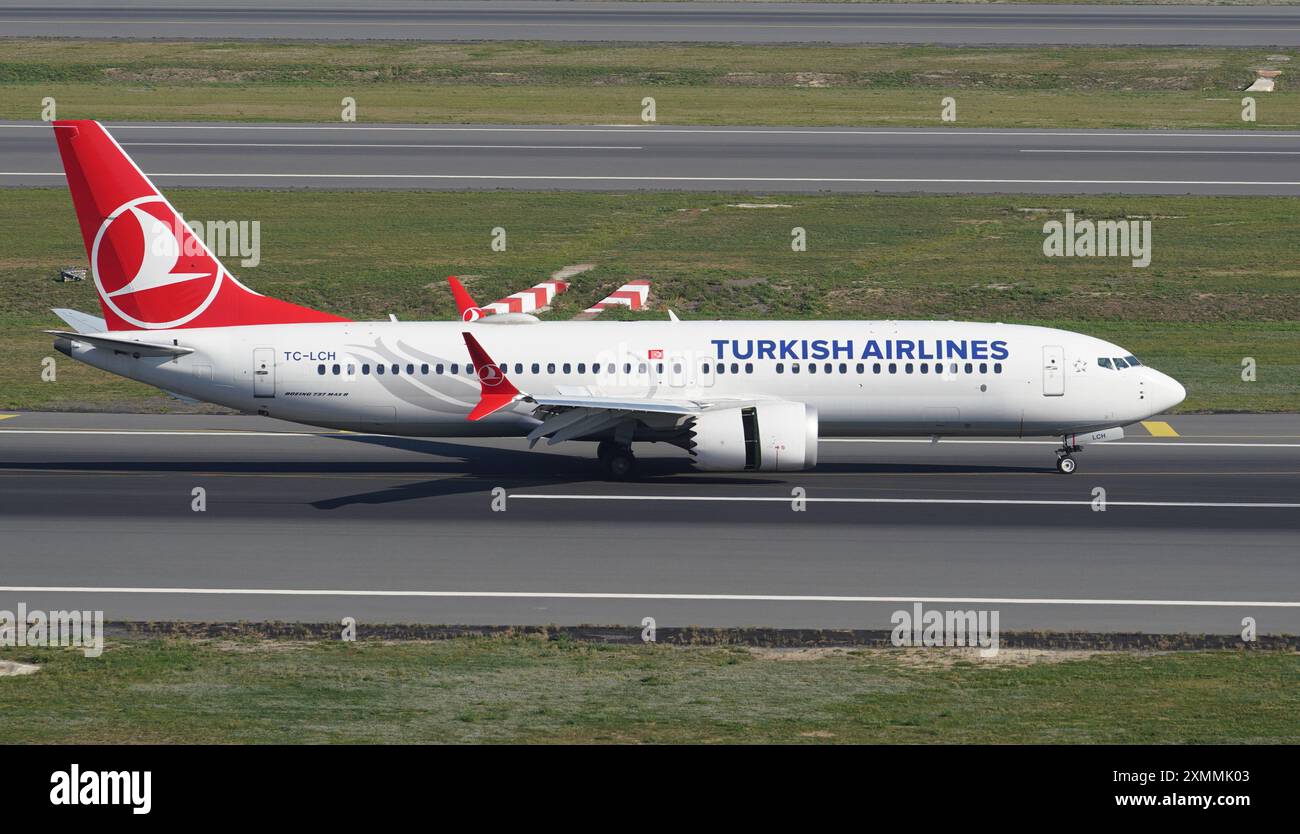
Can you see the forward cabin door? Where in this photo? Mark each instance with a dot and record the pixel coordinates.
(1053, 370)
(264, 372)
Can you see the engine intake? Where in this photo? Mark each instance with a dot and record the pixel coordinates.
(767, 437)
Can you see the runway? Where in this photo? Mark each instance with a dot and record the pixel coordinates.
(96, 512)
(625, 158)
(471, 20)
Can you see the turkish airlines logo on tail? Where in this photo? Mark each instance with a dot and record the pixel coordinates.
(150, 269)
(490, 376)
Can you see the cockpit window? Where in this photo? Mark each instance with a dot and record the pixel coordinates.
(1120, 363)
(1104, 362)
(1132, 361)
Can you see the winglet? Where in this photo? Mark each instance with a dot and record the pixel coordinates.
(496, 391)
(469, 311)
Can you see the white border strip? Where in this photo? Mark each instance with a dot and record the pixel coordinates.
(304, 592)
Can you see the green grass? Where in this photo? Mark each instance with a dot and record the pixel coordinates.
(1222, 285)
(1059, 87)
(528, 690)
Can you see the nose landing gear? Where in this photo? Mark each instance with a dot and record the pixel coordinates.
(1065, 462)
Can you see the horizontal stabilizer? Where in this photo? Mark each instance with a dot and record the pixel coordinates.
(124, 345)
(81, 322)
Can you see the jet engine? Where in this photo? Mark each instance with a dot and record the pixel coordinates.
(764, 437)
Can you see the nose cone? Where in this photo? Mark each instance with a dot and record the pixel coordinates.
(1166, 392)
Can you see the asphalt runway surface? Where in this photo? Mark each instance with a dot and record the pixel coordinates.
(618, 158)
(1199, 530)
(467, 20)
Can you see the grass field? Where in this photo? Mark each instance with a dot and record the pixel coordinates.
(529, 690)
(536, 83)
(1217, 289)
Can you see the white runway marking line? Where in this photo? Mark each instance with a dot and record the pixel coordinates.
(669, 129)
(1025, 502)
(1113, 444)
(926, 441)
(598, 178)
(304, 592)
(1138, 151)
(376, 145)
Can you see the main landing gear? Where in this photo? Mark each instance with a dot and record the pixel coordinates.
(616, 460)
(1065, 463)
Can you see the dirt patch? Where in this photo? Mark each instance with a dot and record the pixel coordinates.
(13, 669)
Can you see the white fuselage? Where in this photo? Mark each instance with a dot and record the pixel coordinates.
(862, 377)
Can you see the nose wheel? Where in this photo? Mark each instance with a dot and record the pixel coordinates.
(1065, 462)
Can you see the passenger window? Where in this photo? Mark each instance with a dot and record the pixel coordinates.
(410, 369)
(438, 369)
(582, 367)
(984, 367)
(861, 367)
(893, 367)
(925, 369)
(320, 369)
(550, 367)
(812, 367)
(780, 367)
(749, 367)
(397, 369)
(875, 368)
(568, 369)
(908, 368)
(336, 370)
(611, 368)
(455, 368)
(641, 369)
(365, 369)
(722, 368)
(519, 367)
(794, 367)
(735, 367)
(424, 369)
(677, 368)
(970, 367)
(844, 368)
(537, 369)
(379, 369)
(952, 369)
(997, 367)
(627, 368)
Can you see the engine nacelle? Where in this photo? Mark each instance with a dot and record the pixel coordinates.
(766, 437)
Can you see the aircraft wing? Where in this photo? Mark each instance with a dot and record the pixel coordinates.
(565, 417)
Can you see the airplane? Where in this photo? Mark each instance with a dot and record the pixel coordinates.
(734, 395)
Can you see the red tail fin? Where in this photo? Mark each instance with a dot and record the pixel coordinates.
(496, 392)
(151, 271)
(469, 311)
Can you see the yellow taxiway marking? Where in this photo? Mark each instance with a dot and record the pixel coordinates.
(1159, 428)
(7, 416)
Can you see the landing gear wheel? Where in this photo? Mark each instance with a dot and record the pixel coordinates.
(619, 463)
(1065, 464)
